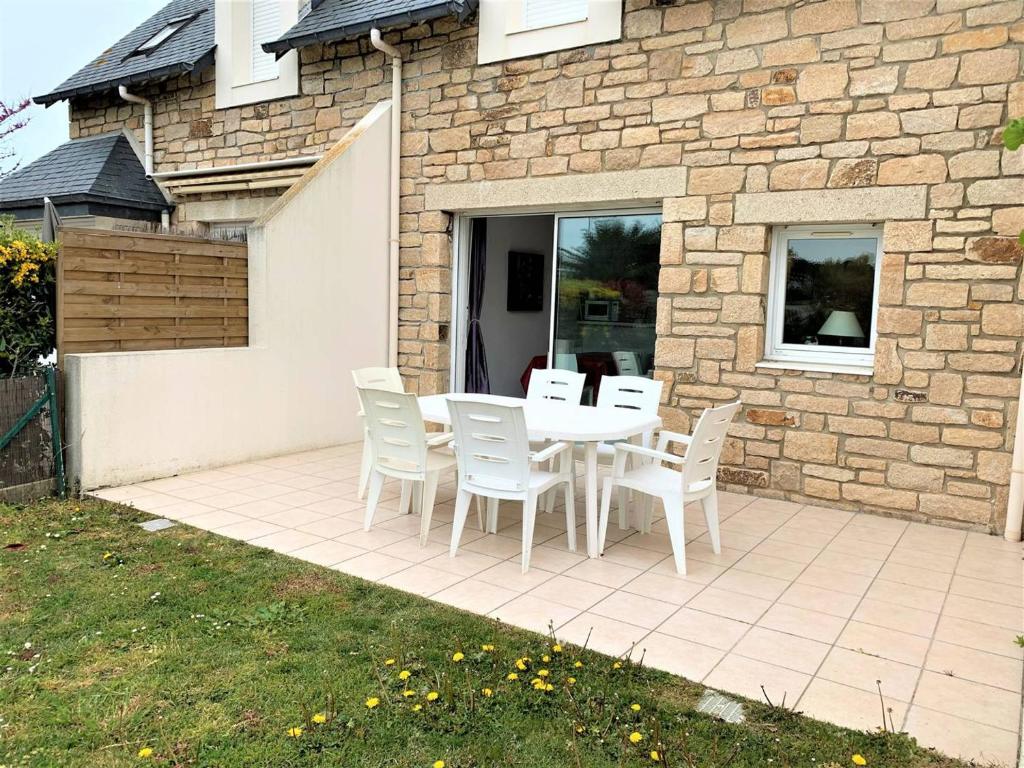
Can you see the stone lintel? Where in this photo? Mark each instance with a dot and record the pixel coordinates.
(825, 206)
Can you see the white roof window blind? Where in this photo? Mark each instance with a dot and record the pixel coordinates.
(538, 14)
(266, 26)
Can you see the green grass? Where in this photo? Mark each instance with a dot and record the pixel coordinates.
(207, 651)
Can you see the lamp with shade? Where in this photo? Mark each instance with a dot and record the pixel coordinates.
(843, 325)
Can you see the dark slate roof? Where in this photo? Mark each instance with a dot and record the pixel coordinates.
(101, 169)
(190, 48)
(330, 20)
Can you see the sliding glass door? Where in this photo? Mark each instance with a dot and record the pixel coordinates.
(605, 293)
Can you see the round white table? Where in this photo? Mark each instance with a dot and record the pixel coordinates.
(547, 420)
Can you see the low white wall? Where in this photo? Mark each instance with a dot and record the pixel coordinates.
(318, 277)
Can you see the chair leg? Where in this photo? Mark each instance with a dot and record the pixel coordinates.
(404, 507)
(364, 467)
(462, 499)
(606, 504)
(648, 514)
(417, 494)
(479, 513)
(375, 486)
(570, 515)
(549, 496)
(427, 502)
(492, 515)
(529, 515)
(623, 508)
(674, 520)
(710, 505)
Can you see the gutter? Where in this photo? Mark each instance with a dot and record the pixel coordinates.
(393, 219)
(147, 111)
(1015, 498)
(461, 9)
(239, 167)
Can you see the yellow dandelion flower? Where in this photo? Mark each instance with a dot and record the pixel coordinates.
(407, 693)
(432, 696)
(617, 665)
(511, 676)
(520, 664)
(537, 682)
(578, 665)
(372, 702)
(458, 656)
(319, 717)
(487, 692)
(389, 662)
(556, 648)
(543, 673)
(581, 728)
(405, 674)
(439, 764)
(295, 731)
(486, 647)
(146, 752)
(545, 658)
(636, 737)
(107, 555)
(655, 756)
(635, 707)
(858, 759)
(571, 680)
(549, 687)
(417, 707)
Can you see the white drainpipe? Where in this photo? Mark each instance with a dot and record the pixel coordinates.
(1015, 502)
(396, 147)
(147, 106)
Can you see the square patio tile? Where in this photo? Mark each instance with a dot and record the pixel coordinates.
(863, 670)
(373, 539)
(259, 508)
(507, 574)
(372, 566)
(679, 657)
(986, 590)
(887, 643)
(731, 605)
(183, 509)
(575, 593)
(838, 581)
(534, 613)
(915, 577)
(969, 664)
(704, 628)
(475, 596)
(410, 549)
(850, 707)
(775, 567)
(981, 637)
(602, 572)
(899, 617)
(827, 601)
(738, 674)
(675, 590)
(603, 634)
(328, 553)
(634, 609)
(984, 612)
(421, 580)
(293, 517)
(907, 595)
(752, 584)
(286, 541)
(813, 625)
(962, 738)
(973, 701)
(329, 527)
(247, 530)
(215, 518)
(790, 651)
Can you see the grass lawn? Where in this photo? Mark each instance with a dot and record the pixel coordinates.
(208, 652)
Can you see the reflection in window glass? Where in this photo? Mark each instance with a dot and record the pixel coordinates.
(607, 293)
(829, 291)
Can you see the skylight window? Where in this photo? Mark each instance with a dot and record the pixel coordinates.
(162, 36)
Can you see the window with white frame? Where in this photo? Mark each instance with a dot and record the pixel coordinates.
(246, 74)
(823, 296)
(511, 29)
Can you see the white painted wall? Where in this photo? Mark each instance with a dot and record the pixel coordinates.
(318, 308)
(513, 338)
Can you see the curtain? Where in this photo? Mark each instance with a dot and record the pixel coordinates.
(476, 355)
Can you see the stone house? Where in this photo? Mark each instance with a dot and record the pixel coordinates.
(835, 217)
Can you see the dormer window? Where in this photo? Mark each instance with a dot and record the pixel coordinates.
(246, 74)
(162, 36)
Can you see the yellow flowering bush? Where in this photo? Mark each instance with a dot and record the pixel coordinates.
(27, 298)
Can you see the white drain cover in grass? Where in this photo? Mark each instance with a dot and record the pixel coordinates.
(158, 524)
(715, 704)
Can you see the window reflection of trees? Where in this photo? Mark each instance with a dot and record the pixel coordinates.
(816, 288)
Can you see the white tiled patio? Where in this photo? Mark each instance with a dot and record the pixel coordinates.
(814, 604)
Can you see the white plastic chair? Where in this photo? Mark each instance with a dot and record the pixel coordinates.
(403, 450)
(696, 481)
(556, 384)
(627, 362)
(495, 462)
(636, 393)
(374, 378)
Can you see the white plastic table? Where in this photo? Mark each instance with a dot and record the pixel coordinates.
(547, 420)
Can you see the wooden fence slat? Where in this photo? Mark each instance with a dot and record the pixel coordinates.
(121, 291)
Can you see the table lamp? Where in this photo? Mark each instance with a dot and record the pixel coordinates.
(843, 325)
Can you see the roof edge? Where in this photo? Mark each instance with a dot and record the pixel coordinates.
(461, 9)
(161, 73)
(35, 202)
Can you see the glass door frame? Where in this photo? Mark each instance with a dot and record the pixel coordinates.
(461, 233)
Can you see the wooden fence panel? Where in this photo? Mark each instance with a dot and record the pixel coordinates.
(123, 291)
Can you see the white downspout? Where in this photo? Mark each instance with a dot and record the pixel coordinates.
(396, 147)
(147, 123)
(1015, 502)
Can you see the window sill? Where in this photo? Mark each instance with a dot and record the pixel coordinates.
(799, 365)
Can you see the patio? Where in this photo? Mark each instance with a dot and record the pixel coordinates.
(813, 604)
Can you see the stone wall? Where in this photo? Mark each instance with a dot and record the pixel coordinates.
(780, 110)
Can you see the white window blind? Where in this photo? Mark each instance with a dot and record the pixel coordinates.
(266, 26)
(549, 13)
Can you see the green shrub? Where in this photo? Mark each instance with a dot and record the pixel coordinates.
(27, 298)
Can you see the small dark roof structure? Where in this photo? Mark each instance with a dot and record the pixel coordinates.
(189, 48)
(330, 20)
(99, 174)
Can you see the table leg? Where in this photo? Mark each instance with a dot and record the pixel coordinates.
(590, 479)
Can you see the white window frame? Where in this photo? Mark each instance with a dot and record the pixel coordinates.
(234, 71)
(816, 357)
(504, 35)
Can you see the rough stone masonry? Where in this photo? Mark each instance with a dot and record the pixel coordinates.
(773, 108)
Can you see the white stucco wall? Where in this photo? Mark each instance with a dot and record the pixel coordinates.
(318, 277)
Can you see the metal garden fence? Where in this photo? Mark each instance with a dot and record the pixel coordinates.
(31, 462)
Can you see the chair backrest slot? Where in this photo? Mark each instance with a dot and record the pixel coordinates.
(387, 379)
(705, 449)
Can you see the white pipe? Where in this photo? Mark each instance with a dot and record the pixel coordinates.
(396, 147)
(147, 124)
(239, 167)
(1015, 502)
(165, 220)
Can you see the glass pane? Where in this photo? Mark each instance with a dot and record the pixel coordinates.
(829, 291)
(607, 294)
